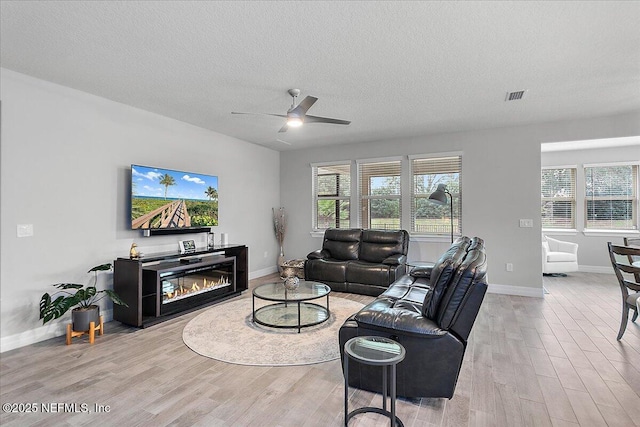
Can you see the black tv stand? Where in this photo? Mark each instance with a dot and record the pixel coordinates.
(158, 287)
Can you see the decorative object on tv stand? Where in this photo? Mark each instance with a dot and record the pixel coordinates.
(224, 238)
(133, 252)
(440, 197)
(210, 240)
(86, 313)
(280, 228)
(187, 246)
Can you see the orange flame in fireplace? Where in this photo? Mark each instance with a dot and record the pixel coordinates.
(195, 287)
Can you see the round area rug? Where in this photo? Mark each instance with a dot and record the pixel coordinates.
(225, 332)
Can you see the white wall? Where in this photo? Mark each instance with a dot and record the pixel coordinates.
(66, 159)
(500, 184)
(592, 250)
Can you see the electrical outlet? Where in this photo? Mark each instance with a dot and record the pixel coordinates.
(509, 266)
(266, 254)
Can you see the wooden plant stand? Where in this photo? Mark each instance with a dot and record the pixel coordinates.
(92, 331)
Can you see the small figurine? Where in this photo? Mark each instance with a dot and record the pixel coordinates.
(133, 252)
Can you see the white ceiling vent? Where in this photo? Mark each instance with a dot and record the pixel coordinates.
(515, 95)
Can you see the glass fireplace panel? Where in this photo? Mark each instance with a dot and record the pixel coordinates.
(180, 285)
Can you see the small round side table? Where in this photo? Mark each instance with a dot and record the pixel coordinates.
(376, 351)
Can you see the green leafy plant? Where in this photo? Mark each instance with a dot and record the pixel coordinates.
(83, 298)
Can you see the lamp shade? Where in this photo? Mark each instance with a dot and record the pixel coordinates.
(440, 195)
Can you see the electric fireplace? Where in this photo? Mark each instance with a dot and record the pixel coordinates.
(160, 286)
(182, 287)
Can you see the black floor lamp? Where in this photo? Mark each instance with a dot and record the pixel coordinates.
(440, 197)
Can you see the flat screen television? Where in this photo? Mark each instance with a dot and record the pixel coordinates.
(172, 200)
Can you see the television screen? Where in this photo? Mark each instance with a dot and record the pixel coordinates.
(169, 199)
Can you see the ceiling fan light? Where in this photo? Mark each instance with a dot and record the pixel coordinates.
(294, 122)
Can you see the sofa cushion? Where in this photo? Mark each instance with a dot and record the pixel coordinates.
(368, 273)
(342, 244)
(442, 274)
(399, 289)
(561, 257)
(472, 270)
(401, 316)
(323, 270)
(378, 245)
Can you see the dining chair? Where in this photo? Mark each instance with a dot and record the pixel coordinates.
(620, 260)
(634, 260)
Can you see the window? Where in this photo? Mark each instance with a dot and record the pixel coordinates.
(611, 197)
(426, 216)
(332, 190)
(558, 187)
(380, 194)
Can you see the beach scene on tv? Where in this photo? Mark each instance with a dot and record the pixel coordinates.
(163, 198)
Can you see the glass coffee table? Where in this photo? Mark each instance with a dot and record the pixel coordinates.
(291, 308)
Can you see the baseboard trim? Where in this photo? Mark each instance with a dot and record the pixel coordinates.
(42, 333)
(263, 272)
(515, 290)
(58, 329)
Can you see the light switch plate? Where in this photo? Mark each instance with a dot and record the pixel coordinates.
(526, 223)
(25, 230)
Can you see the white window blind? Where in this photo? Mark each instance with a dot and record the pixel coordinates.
(426, 216)
(611, 197)
(332, 190)
(380, 194)
(558, 188)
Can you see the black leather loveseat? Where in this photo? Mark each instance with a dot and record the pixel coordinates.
(430, 312)
(359, 261)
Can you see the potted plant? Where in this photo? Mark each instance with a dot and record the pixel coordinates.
(83, 301)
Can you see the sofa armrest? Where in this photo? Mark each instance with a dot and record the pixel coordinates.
(319, 254)
(396, 259)
(421, 272)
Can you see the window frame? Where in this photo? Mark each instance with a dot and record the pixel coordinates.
(336, 196)
(365, 210)
(573, 199)
(634, 198)
(456, 197)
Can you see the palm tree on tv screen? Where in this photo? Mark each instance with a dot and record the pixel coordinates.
(167, 180)
(211, 193)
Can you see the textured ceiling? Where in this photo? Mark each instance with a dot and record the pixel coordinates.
(395, 69)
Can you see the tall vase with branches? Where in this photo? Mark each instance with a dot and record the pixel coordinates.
(280, 228)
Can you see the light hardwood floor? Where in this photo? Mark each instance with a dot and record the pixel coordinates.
(530, 362)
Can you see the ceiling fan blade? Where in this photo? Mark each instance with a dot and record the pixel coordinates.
(261, 114)
(316, 119)
(284, 128)
(302, 108)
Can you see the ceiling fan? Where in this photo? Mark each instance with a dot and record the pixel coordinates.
(297, 114)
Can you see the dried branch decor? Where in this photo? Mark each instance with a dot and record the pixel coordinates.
(279, 224)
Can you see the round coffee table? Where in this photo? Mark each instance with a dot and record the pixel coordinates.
(292, 309)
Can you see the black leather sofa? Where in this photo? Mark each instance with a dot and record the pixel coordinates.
(431, 313)
(359, 261)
